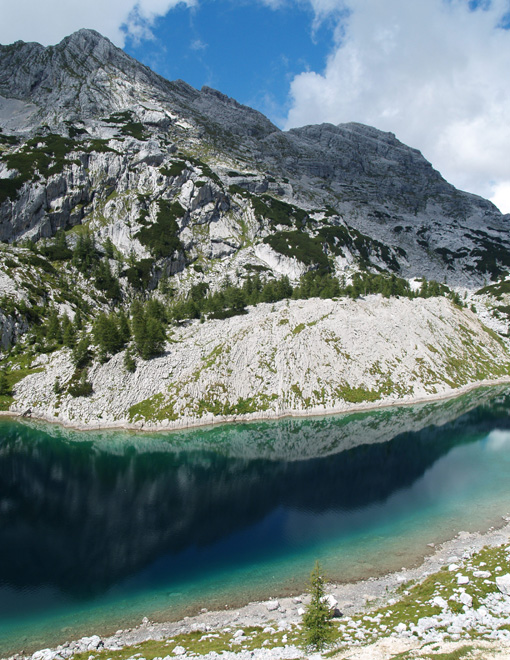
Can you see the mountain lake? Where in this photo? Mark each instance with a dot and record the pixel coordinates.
(101, 528)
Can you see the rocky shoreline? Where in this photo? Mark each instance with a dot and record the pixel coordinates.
(188, 423)
(353, 600)
(293, 358)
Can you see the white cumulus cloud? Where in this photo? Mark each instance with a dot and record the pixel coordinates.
(49, 21)
(435, 73)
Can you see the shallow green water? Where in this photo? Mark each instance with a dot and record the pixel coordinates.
(98, 530)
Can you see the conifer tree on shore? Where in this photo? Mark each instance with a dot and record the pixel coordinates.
(317, 625)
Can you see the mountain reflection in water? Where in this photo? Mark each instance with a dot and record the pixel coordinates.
(82, 517)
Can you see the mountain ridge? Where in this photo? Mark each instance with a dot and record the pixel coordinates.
(342, 166)
(133, 202)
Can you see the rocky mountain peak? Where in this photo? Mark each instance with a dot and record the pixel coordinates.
(85, 38)
(364, 196)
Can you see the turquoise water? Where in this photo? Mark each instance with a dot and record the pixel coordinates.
(98, 530)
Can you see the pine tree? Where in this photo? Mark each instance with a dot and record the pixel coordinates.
(155, 338)
(107, 335)
(129, 361)
(317, 624)
(53, 328)
(68, 332)
(106, 281)
(78, 321)
(85, 254)
(5, 389)
(147, 328)
(109, 248)
(138, 326)
(123, 327)
(81, 353)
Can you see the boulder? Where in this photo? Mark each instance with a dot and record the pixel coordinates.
(91, 643)
(503, 584)
(44, 654)
(330, 601)
(440, 602)
(426, 623)
(466, 599)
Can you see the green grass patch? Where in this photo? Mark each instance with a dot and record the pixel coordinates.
(356, 394)
(162, 237)
(175, 169)
(134, 129)
(298, 328)
(100, 147)
(301, 246)
(272, 209)
(40, 156)
(14, 377)
(154, 409)
(338, 237)
(140, 273)
(200, 643)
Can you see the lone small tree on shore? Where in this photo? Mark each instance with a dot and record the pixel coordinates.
(317, 625)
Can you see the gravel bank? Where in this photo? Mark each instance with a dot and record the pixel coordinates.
(284, 613)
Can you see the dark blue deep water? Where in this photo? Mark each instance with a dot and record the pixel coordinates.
(100, 529)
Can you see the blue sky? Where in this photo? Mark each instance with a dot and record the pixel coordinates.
(246, 50)
(434, 72)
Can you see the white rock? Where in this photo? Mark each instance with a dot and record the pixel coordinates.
(272, 605)
(90, 643)
(440, 602)
(44, 654)
(179, 650)
(466, 599)
(482, 574)
(330, 601)
(503, 584)
(453, 567)
(301, 611)
(462, 579)
(400, 628)
(426, 623)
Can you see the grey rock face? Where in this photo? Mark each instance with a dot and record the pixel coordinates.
(86, 89)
